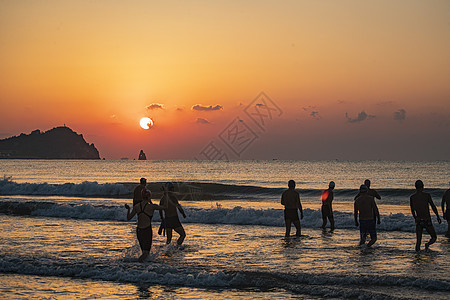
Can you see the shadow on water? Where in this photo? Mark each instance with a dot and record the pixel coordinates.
(291, 242)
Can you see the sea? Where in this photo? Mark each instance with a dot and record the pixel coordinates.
(64, 232)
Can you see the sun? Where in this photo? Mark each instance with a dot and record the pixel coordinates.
(146, 123)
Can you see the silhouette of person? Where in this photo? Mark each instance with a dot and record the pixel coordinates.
(420, 203)
(367, 208)
(327, 209)
(170, 216)
(445, 205)
(137, 194)
(144, 211)
(370, 191)
(291, 201)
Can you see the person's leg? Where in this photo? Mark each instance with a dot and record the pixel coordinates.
(288, 227)
(373, 233)
(432, 232)
(419, 230)
(362, 233)
(145, 237)
(448, 229)
(373, 239)
(324, 219)
(182, 233)
(331, 218)
(298, 227)
(144, 255)
(169, 235)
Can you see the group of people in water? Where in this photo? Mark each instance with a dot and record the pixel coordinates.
(144, 208)
(366, 212)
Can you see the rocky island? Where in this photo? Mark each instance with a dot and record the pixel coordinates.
(57, 143)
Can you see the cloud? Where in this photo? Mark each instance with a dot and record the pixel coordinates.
(179, 109)
(361, 117)
(199, 107)
(400, 115)
(313, 112)
(202, 121)
(154, 106)
(315, 115)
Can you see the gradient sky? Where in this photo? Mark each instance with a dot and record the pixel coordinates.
(350, 79)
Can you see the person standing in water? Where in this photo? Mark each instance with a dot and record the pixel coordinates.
(291, 201)
(445, 205)
(170, 216)
(420, 203)
(144, 211)
(137, 194)
(327, 208)
(370, 191)
(367, 208)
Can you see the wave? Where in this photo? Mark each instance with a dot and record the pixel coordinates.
(235, 216)
(195, 191)
(296, 281)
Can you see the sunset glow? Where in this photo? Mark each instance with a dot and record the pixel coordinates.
(337, 71)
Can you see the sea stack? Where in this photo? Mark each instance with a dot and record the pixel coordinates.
(142, 155)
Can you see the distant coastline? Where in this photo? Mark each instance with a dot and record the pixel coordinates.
(56, 143)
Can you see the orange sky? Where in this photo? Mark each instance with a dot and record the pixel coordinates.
(353, 80)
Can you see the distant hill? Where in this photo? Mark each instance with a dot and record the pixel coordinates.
(57, 143)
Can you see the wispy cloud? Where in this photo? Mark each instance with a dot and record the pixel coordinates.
(313, 112)
(154, 106)
(202, 121)
(400, 115)
(361, 117)
(315, 115)
(199, 107)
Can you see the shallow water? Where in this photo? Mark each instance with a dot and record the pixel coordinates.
(56, 244)
(232, 258)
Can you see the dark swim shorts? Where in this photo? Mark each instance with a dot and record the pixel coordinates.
(291, 214)
(326, 211)
(144, 236)
(368, 226)
(424, 223)
(172, 222)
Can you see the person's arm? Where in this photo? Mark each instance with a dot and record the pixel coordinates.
(161, 215)
(283, 202)
(376, 195)
(180, 208)
(376, 212)
(355, 213)
(443, 204)
(433, 207)
(357, 196)
(131, 214)
(413, 212)
(299, 206)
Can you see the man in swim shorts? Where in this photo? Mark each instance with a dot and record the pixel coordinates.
(367, 208)
(445, 210)
(327, 209)
(291, 201)
(137, 194)
(420, 203)
(370, 191)
(170, 217)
